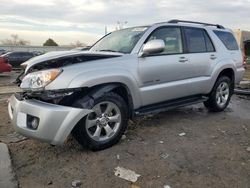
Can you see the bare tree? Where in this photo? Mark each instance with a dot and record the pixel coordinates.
(15, 41)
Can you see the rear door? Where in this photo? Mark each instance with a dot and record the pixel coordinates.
(200, 52)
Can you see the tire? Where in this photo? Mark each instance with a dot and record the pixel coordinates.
(100, 130)
(221, 94)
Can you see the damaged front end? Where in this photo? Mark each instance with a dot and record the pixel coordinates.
(64, 97)
(55, 60)
(40, 115)
(49, 114)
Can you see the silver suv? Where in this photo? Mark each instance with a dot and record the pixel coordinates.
(130, 72)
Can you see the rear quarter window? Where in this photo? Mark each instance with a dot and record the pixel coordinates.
(227, 39)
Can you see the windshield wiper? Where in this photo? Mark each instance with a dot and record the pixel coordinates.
(110, 51)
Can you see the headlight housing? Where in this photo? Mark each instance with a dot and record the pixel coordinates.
(38, 80)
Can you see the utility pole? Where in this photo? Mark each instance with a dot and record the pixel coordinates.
(106, 30)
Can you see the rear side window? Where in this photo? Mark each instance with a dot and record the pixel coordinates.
(198, 41)
(227, 39)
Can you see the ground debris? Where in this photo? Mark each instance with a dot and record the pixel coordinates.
(244, 127)
(12, 138)
(182, 134)
(76, 183)
(135, 186)
(124, 137)
(166, 186)
(126, 174)
(118, 157)
(248, 149)
(161, 142)
(164, 155)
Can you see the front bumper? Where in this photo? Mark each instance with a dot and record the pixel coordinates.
(55, 122)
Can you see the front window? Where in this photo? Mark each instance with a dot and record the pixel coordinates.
(171, 37)
(122, 41)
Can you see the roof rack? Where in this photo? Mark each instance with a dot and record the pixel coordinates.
(206, 24)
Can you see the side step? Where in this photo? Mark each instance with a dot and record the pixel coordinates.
(168, 105)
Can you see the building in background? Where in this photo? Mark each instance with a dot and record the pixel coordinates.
(243, 39)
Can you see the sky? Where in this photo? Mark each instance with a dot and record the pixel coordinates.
(67, 21)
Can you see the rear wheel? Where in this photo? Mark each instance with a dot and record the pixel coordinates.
(220, 95)
(105, 125)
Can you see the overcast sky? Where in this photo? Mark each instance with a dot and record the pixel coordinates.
(84, 20)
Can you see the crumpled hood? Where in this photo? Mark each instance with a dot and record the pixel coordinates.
(63, 58)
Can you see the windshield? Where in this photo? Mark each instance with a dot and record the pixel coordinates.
(122, 41)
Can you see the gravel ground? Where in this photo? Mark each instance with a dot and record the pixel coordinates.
(212, 153)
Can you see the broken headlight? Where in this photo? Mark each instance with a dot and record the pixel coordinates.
(38, 80)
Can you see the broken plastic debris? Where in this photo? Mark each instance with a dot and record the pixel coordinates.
(76, 183)
(166, 186)
(118, 157)
(182, 134)
(164, 155)
(12, 138)
(126, 174)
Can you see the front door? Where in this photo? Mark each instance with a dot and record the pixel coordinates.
(162, 75)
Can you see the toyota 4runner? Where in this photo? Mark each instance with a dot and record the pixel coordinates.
(130, 72)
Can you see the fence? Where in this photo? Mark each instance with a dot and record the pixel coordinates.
(42, 49)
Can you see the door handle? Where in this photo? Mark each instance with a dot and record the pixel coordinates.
(183, 59)
(213, 57)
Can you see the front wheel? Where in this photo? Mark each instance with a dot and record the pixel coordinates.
(105, 125)
(220, 95)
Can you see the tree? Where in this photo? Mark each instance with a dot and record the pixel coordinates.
(15, 41)
(50, 42)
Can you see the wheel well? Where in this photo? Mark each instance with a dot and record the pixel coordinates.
(125, 94)
(80, 98)
(118, 88)
(227, 72)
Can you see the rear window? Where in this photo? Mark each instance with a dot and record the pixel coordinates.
(227, 39)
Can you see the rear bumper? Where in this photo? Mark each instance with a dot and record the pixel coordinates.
(239, 75)
(55, 122)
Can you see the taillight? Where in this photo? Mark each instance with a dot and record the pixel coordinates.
(243, 56)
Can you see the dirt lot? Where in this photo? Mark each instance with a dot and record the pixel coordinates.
(213, 153)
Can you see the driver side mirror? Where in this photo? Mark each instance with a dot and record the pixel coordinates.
(153, 47)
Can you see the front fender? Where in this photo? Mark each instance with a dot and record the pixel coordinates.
(91, 79)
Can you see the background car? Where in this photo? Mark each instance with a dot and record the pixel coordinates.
(17, 58)
(81, 48)
(4, 66)
(37, 53)
(2, 51)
